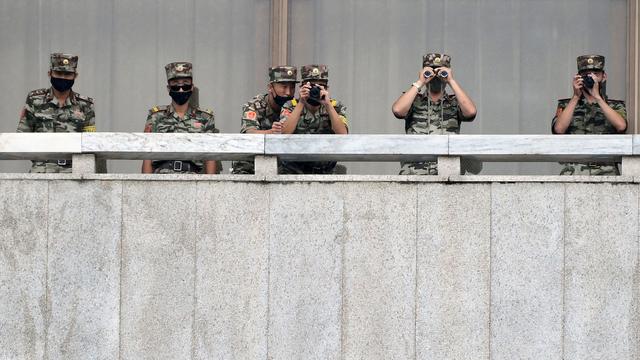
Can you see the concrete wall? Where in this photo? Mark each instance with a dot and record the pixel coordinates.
(111, 268)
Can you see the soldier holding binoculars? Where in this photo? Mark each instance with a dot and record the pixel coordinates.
(428, 109)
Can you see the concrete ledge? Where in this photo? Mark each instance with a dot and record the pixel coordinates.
(139, 146)
(541, 147)
(357, 147)
(39, 146)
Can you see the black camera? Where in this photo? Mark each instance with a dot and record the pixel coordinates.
(587, 81)
(314, 95)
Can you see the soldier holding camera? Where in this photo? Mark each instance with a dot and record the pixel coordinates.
(589, 111)
(428, 109)
(314, 113)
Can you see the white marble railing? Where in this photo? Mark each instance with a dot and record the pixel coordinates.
(444, 148)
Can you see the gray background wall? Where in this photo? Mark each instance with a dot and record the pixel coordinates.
(514, 57)
(376, 270)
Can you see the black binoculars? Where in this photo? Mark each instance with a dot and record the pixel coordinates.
(442, 74)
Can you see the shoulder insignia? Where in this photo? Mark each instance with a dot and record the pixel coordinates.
(89, 128)
(38, 92)
(334, 102)
(84, 98)
(207, 111)
(294, 102)
(157, 108)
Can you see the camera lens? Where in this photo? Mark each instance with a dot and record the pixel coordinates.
(587, 81)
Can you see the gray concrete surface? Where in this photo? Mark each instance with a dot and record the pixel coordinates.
(188, 267)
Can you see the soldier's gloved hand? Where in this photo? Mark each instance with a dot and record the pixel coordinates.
(325, 99)
(276, 128)
(304, 92)
(577, 85)
(441, 71)
(425, 79)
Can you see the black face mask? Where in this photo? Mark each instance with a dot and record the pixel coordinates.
(180, 97)
(61, 85)
(281, 100)
(436, 85)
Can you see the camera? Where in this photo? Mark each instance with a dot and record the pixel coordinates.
(587, 81)
(314, 95)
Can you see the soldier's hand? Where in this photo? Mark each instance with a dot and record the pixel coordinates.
(304, 92)
(595, 91)
(577, 85)
(276, 128)
(325, 99)
(442, 71)
(422, 79)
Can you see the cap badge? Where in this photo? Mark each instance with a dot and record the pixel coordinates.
(289, 72)
(315, 71)
(590, 61)
(65, 61)
(437, 60)
(180, 67)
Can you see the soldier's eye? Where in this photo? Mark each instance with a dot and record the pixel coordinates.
(184, 87)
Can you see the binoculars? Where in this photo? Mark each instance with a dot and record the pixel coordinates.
(442, 74)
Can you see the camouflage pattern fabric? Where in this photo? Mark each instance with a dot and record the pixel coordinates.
(256, 115)
(314, 72)
(311, 123)
(181, 69)
(436, 60)
(163, 119)
(590, 62)
(588, 118)
(43, 113)
(64, 62)
(283, 74)
(427, 117)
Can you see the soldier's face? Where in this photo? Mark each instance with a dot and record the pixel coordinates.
(62, 75)
(283, 89)
(180, 85)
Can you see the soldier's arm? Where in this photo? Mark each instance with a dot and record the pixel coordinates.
(210, 167)
(402, 105)
(90, 118)
(467, 107)
(249, 123)
(147, 165)
(338, 117)
(564, 115)
(25, 124)
(616, 118)
(289, 118)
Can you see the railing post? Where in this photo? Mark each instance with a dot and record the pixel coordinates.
(266, 165)
(83, 164)
(630, 166)
(448, 165)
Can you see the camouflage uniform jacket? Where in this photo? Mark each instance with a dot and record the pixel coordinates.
(257, 114)
(43, 113)
(588, 118)
(312, 123)
(428, 117)
(163, 119)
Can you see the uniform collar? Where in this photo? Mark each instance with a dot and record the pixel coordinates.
(190, 111)
(71, 99)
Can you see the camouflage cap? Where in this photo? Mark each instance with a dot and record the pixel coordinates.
(64, 62)
(590, 62)
(436, 60)
(283, 74)
(314, 72)
(179, 69)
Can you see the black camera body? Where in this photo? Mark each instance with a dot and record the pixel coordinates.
(587, 81)
(314, 95)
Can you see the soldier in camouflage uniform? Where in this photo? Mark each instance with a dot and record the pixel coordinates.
(589, 111)
(179, 117)
(57, 109)
(427, 108)
(261, 114)
(308, 116)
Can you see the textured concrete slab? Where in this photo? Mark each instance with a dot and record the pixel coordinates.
(161, 146)
(232, 271)
(158, 269)
(379, 287)
(453, 282)
(527, 264)
(305, 271)
(601, 251)
(357, 147)
(39, 146)
(23, 269)
(84, 269)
